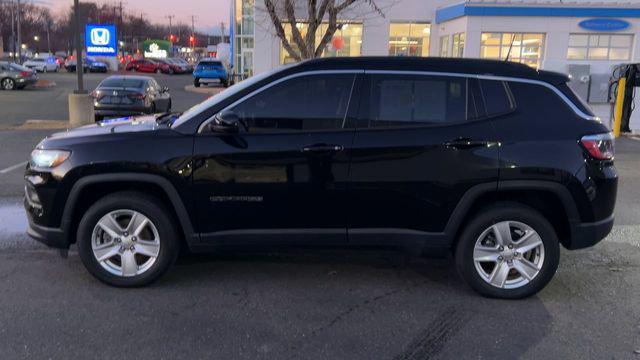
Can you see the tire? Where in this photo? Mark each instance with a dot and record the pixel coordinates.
(481, 230)
(98, 118)
(160, 225)
(8, 84)
(196, 82)
(224, 83)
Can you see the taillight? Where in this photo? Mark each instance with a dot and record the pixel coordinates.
(25, 73)
(94, 94)
(136, 96)
(599, 146)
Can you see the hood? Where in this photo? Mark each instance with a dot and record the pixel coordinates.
(111, 126)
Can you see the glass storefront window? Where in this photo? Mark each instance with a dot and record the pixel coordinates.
(409, 39)
(244, 37)
(347, 41)
(599, 47)
(524, 48)
(458, 45)
(444, 46)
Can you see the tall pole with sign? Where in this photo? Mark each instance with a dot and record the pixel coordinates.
(78, 46)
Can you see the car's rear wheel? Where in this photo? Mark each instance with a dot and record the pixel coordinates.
(8, 84)
(196, 82)
(508, 251)
(127, 239)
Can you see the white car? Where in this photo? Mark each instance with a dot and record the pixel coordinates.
(42, 64)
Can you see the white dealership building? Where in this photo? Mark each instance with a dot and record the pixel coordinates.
(583, 38)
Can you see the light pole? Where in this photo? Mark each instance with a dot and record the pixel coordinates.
(78, 46)
(19, 15)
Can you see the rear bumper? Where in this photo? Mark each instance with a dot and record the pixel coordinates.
(119, 112)
(584, 235)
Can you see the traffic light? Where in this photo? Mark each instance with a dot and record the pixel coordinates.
(192, 40)
(172, 38)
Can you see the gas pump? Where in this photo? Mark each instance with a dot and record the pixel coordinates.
(624, 81)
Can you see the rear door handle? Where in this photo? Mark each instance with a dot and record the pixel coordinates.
(465, 143)
(316, 148)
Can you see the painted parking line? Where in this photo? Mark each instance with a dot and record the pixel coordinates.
(13, 167)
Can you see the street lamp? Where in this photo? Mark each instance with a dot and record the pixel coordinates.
(36, 38)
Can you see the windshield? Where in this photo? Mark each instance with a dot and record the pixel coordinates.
(238, 87)
(19, 67)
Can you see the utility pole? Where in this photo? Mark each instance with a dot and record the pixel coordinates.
(170, 17)
(78, 46)
(19, 15)
(222, 31)
(48, 41)
(120, 29)
(193, 32)
(13, 32)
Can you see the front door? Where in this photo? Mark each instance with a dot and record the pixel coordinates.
(284, 177)
(422, 142)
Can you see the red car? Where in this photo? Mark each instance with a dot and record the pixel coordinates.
(149, 66)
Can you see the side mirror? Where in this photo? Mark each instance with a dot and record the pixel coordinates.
(226, 122)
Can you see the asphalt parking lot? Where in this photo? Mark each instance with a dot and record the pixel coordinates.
(313, 304)
(51, 103)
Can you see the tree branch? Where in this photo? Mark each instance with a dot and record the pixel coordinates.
(277, 23)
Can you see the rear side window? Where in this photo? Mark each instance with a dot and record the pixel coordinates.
(313, 102)
(497, 97)
(408, 100)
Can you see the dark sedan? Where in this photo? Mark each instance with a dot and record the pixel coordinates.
(130, 95)
(88, 65)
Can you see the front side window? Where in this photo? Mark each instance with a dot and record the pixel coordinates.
(409, 39)
(458, 45)
(306, 103)
(525, 48)
(406, 100)
(599, 47)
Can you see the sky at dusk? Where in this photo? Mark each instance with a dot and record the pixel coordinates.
(209, 13)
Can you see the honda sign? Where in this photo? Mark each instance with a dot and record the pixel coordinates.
(101, 40)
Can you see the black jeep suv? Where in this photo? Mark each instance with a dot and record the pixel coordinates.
(498, 162)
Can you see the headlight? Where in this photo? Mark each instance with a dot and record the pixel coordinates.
(48, 158)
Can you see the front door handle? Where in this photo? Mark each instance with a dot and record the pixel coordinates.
(466, 143)
(322, 148)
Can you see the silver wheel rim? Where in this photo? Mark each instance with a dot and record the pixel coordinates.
(508, 254)
(7, 84)
(125, 242)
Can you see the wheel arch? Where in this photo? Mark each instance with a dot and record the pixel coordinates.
(551, 199)
(91, 188)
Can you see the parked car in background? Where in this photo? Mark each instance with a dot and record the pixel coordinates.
(88, 65)
(125, 95)
(14, 76)
(42, 64)
(210, 70)
(173, 68)
(494, 162)
(189, 67)
(147, 66)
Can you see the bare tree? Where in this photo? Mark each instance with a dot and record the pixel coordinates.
(301, 46)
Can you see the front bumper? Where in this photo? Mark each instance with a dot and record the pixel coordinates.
(52, 237)
(584, 235)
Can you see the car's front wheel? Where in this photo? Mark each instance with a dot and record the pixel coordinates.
(508, 251)
(127, 239)
(196, 82)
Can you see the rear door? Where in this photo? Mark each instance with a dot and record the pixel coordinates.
(285, 177)
(422, 141)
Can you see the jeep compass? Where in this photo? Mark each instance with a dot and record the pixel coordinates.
(496, 162)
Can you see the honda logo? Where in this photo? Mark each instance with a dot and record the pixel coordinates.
(100, 36)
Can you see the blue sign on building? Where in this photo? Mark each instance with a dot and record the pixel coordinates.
(100, 40)
(603, 24)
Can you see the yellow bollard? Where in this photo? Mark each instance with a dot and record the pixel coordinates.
(617, 113)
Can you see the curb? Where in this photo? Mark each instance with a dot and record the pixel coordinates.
(39, 125)
(203, 90)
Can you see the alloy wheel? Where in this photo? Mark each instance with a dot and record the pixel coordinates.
(7, 84)
(125, 243)
(508, 254)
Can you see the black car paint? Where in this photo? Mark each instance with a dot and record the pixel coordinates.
(156, 100)
(406, 187)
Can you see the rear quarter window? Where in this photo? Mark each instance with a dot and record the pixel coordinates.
(498, 99)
